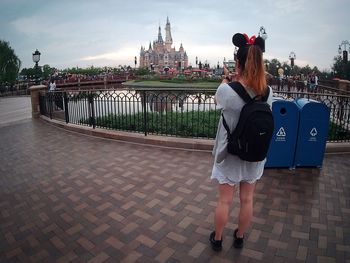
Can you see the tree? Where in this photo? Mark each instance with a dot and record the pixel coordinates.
(340, 68)
(28, 73)
(9, 64)
(306, 70)
(142, 71)
(48, 71)
(273, 66)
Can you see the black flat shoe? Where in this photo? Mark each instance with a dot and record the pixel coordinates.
(237, 241)
(216, 245)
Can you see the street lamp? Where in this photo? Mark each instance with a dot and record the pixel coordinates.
(292, 57)
(135, 61)
(342, 49)
(196, 61)
(263, 35)
(36, 59)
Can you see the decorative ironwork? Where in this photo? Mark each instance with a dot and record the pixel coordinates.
(171, 112)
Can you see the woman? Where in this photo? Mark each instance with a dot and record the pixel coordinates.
(229, 170)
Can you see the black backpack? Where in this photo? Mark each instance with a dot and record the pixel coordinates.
(251, 138)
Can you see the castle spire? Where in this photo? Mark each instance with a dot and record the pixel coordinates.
(168, 38)
(160, 38)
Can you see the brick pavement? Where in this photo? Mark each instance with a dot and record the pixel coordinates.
(65, 197)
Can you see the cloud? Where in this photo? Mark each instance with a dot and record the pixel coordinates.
(124, 55)
(212, 53)
(89, 32)
(31, 26)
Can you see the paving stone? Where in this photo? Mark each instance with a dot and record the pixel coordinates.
(65, 197)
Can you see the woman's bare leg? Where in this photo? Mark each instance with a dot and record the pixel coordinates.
(246, 195)
(223, 208)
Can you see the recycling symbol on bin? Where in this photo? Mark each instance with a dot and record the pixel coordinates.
(281, 135)
(281, 132)
(313, 132)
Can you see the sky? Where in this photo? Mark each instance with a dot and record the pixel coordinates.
(85, 33)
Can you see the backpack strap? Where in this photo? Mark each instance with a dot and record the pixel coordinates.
(266, 96)
(241, 91)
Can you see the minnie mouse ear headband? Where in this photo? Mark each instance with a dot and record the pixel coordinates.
(242, 40)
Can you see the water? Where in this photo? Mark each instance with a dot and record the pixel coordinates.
(128, 102)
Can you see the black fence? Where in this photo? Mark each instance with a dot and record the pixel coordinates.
(175, 112)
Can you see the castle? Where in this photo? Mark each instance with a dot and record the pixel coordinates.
(161, 56)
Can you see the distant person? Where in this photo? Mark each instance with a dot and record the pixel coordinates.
(229, 170)
(316, 82)
(52, 85)
(313, 82)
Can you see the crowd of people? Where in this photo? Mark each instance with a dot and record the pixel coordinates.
(299, 83)
(74, 78)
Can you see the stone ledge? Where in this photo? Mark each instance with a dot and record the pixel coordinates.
(164, 141)
(338, 147)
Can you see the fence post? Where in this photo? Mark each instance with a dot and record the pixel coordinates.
(51, 102)
(144, 111)
(91, 103)
(66, 114)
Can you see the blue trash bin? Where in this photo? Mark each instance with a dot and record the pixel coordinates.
(312, 134)
(282, 147)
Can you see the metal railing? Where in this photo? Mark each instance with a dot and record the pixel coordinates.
(175, 112)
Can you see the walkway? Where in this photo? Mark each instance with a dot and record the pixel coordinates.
(65, 197)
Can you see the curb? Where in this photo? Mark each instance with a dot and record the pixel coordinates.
(155, 140)
(337, 147)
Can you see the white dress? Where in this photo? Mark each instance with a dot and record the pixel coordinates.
(228, 168)
(52, 86)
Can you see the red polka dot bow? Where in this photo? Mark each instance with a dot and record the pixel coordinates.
(251, 40)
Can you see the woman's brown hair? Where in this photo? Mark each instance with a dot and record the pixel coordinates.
(254, 71)
(250, 58)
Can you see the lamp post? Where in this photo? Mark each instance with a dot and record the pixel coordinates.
(262, 33)
(342, 49)
(135, 61)
(196, 62)
(36, 59)
(292, 57)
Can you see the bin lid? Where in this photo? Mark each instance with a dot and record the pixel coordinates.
(301, 102)
(277, 99)
(312, 109)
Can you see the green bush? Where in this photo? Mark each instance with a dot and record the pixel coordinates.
(337, 132)
(199, 124)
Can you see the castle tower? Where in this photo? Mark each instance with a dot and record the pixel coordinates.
(161, 54)
(168, 38)
(160, 38)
